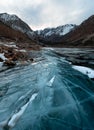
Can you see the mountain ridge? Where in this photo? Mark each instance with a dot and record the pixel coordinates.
(68, 35)
(59, 30)
(81, 35)
(17, 24)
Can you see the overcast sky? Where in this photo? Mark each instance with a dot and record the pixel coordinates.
(49, 13)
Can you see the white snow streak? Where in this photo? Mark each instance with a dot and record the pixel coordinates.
(17, 115)
(11, 45)
(51, 81)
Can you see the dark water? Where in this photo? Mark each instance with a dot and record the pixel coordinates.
(49, 95)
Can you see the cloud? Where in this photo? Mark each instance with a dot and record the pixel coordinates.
(49, 13)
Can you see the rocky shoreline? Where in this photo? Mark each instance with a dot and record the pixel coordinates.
(78, 56)
(12, 54)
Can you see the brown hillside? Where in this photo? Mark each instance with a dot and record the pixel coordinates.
(82, 31)
(12, 34)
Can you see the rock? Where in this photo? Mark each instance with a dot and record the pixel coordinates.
(31, 59)
(9, 63)
(1, 60)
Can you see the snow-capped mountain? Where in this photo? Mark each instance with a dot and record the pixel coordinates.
(59, 31)
(54, 35)
(13, 28)
(17, 24)
(69, 35)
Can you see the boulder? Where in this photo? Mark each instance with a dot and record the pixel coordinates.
(9, 63)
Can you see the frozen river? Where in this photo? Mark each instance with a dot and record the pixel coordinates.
(46, 95)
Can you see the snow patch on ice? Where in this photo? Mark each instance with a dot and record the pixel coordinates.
(35, 63)
(85, 70)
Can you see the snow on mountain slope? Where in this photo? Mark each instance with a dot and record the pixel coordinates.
(16, 23)
(59, 31)
(67, 29)
(6, 17)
